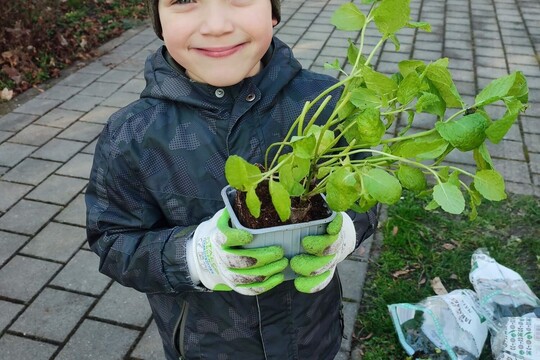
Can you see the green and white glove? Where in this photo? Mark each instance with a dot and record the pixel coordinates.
(324, 252)
(216, 259)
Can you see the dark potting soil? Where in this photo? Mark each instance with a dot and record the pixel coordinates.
(312, 209)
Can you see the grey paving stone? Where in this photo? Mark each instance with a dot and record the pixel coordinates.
(37, 106)
(74, 213)
(82, 103)
(3, 170)
(120, 99)
(15, 347)
(81, 274)
(150, 346)
(57, 189)
(60, 118)
(533, 142)
(11, 154)
(117, 76)
(8, 311)
(81, 131)
(78, 166)
(53, 314)
(15, 122)
(57, 242)
(59, 92)
(58, 150)
(97, 340)
(91, 148)
(100, 89)
(79, 79)
(350, 310)
(515, 171)
(134, 86)
(507, 149)
(11, 193)
(123, 305)
(31, 171)
(35, 135)
(33, 273)
(10, 243)
(355, 273)
(95, 67)
(4, 135)
(99, 114)
(27, 217)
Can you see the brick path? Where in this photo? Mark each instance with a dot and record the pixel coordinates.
(53, 302)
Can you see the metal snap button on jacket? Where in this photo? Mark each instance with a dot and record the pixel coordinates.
(220, 93)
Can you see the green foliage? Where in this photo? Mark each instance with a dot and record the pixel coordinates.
(418, 246)
(329, 158)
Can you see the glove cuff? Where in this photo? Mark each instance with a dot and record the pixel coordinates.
(348, 234)
(192, 262)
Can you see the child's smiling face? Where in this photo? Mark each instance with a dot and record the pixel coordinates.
(218, 42)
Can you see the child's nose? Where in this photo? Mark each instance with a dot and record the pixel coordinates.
(216, 20)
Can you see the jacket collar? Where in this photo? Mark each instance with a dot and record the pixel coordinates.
(167, 80)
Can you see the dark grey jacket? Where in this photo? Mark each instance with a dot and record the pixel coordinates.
(157, 174)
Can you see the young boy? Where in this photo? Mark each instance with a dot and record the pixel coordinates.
(220, 85)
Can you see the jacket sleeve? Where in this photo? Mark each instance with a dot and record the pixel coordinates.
(125, 227)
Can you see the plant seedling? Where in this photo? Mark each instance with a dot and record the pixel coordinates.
(346, 156)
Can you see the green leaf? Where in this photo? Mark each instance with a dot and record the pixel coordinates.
(490, 184)
(449, 197)
(391, 15)
(408, 88)
(514, 84)
(280, 199)
(348, 17)
(364, 98)
(438, 73)
(368, 128)
(303, 146)
(240, 174)
(380, 83)
(466, 133)
(326, 139)
(342, 189)
(498, 129)
(419, 25)
(335, 65)
(253, 203)
(382, 186)
(408, 66)
(422, 148)
(482, 158)
(411, 178)
(300, 167)
(431, 104)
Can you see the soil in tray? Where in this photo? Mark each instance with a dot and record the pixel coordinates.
(312, 209)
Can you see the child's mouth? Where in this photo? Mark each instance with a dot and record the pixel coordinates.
(222, 51)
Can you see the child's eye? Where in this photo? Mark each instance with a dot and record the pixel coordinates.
(183, 1)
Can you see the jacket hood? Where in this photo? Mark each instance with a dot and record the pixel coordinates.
(166, 80)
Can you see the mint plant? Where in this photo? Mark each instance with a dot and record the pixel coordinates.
(311, 159)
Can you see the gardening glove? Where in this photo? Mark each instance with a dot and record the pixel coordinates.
(323, 252)
(216, 259)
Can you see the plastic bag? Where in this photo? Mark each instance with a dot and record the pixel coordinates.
(449, 326)
(517, 339)
(512, 309)
(501, 291)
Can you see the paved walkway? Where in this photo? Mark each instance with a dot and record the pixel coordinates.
(53, 302)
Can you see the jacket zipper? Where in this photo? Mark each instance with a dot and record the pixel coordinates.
(180, 327)
(260, 326)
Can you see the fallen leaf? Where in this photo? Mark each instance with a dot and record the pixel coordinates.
(402, 272)
(453, 277)
(448, 246)
(6, 94)
(438, 287)
(395, 230)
